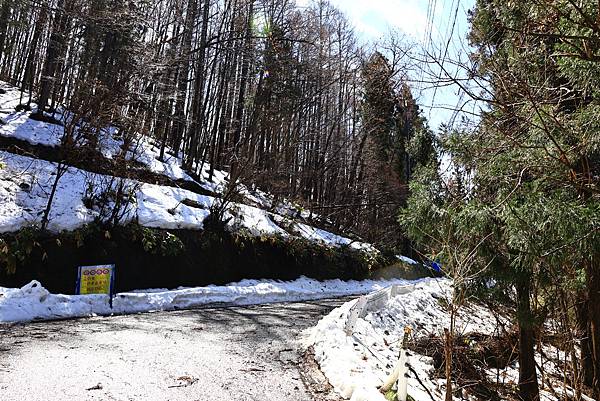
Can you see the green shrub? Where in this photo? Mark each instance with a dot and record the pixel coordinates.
(157, 242)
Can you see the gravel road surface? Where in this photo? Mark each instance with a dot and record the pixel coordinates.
(213, 354)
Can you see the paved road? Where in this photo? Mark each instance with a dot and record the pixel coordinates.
(229, 354)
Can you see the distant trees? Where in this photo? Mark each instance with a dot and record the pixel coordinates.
(389, 122)
(281, 93)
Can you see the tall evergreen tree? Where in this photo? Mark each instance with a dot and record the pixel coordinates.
(531, 170)
(390, 121)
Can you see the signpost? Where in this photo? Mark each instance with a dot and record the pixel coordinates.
(96, 280)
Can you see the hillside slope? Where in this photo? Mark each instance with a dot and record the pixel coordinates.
(161, 194)
(116, 201)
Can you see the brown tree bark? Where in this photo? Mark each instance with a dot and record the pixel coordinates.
(528, 383)
(198, 96)
(30, 67)
(52, 55)
(179, 125)
(4, 15)
(591, 344)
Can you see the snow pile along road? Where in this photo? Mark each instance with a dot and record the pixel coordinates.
(34, 302)
(357, 364)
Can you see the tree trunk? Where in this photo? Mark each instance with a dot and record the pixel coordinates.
(448, 371)
(591, 346)
(197, 115)
(4, 16)
(30, 68)
(52, 54)
(237, 123)
(528, 383)
(183, 75)
(61, 169)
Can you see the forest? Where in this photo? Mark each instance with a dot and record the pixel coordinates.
(278, 95)
(288, 99)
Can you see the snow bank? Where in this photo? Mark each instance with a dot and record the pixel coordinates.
(355, 370)
(34, 302)
(358, 364)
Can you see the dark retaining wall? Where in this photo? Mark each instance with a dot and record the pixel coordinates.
(148, 258)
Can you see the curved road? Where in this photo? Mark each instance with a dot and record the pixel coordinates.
(212, 354)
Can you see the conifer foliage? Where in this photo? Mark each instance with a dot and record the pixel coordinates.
(517, 216)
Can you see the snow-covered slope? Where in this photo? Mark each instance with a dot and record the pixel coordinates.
(143, 150)
(26, 183)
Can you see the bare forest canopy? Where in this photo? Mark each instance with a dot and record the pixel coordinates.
(280, 96)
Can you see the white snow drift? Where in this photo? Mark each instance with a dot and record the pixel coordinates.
(357, 364)
(34, 302)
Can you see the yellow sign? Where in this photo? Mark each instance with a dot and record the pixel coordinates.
(96, 279)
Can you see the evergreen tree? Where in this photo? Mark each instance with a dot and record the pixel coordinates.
(391, 123)
(531, 172)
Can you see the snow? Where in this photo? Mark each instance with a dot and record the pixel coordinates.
(34, 302)
(316, 234)
(161, 207)
(10, 99)
(283, 207)
(323, 237)
(25, 185)
(255, 221)
(355, 371)
(149, 155)
(20, 126)
(357, 364)
(217, 183)
(406, 259)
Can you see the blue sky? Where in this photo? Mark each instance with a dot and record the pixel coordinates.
(373, 19)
